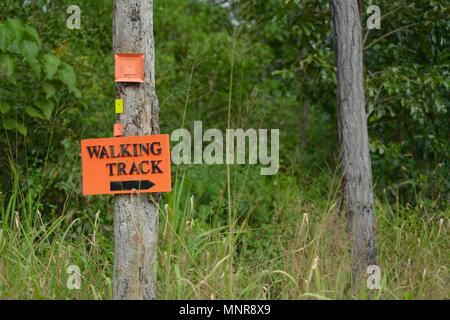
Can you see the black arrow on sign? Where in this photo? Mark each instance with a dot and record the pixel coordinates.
(130, 185)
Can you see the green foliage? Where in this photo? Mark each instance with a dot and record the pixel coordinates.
(283, 57)
(26, 91)
(408, 104)
(407, 85)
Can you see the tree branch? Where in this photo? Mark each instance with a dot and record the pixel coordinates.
(390, 33)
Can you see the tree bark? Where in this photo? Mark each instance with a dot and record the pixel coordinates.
(353, 135)
(136, 216)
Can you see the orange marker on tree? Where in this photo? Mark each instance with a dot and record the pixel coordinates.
(118, 129)
(129, 67)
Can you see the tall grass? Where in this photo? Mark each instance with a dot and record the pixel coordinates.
(301, 253)
(35, 255)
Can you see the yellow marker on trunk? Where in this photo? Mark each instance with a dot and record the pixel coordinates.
(119, 106)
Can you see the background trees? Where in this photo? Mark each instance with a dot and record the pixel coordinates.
(284, 57)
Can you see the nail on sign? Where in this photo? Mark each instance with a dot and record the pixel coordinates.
(126, 165)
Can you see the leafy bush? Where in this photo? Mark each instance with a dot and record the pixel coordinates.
(31, 78)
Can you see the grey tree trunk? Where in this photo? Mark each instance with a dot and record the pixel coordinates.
(352, 122)
(136, 216)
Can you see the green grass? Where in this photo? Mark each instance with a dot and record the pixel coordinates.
(289, 245)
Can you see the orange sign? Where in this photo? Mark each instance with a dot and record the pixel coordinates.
(129, 67)
(126, 165)
(118, 130)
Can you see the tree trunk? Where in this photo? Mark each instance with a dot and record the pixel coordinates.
(136, 216)
(352, 122)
